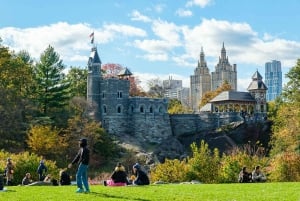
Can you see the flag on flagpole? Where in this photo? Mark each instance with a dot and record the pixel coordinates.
(92, 37)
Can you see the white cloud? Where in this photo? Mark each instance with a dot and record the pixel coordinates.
(137, 16)
(184, 13)
(167, 32)
(201, 3)
(71, 41)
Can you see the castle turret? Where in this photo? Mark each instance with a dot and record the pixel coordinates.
(93, 83)
(258, 90)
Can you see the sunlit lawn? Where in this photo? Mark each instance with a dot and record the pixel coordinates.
(204, 192)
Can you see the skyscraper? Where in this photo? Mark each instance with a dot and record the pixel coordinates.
(273, 79)
(200, 82)
(224, 72)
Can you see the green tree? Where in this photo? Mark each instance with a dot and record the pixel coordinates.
(52, 92)
(77, 78)
(15, 77)
(285, 140)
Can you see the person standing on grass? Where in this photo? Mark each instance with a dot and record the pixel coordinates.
(82, 158)
(42, 169)
(9, 172)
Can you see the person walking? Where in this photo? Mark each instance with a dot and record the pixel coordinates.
(82, 158)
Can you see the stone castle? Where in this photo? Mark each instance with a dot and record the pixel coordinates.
(147, 118)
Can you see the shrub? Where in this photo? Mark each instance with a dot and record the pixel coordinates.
(169, 171)
(285, 167)
(204, 164)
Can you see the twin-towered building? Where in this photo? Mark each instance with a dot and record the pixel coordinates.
(202, 81)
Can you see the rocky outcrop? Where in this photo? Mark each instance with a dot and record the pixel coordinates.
(178, 147)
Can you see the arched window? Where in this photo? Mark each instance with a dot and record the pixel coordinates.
(119, 109)
(151, 109)
(142, 109)
(104, 109)
(161, 110)
(132, 109)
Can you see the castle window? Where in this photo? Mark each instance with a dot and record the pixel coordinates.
(119, 94)
(161, 110)
(142, 109)
(151, 110)
(103, 95)
(104, 109)
(132, 109)
(119, 109)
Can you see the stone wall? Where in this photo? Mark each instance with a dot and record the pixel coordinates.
(191, 123)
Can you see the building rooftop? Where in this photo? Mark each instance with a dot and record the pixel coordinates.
(233, 96)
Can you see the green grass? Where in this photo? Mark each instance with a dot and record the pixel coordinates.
(205, 192)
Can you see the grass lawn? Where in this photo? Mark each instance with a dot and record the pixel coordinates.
(289, 191)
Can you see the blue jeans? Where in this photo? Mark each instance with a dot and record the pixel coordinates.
(81, 177)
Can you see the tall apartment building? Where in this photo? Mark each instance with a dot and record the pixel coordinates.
(273, 79)
(173, 89)
(200, 82)
(224, 72)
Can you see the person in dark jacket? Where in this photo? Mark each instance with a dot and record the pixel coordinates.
(82, 158)
(118, 177)
(42, 169)
(245, 176)
(141, 177)
(64, 178)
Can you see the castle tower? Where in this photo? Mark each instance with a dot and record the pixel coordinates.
(258, 90)
(200, 82)
(93, 83)
(224, 72)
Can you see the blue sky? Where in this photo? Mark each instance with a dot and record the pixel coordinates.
(158, 38)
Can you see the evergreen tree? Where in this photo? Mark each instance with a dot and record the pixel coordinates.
(52, 92)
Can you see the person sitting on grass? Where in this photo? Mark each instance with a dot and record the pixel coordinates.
(27, 179)
(64, 178)
(257, 175)
(141, 177)
(244, 176)
(118, 177)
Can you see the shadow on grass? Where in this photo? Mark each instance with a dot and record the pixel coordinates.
(105, 195)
